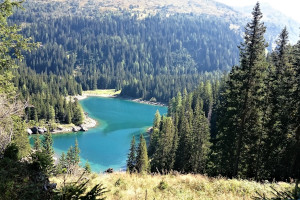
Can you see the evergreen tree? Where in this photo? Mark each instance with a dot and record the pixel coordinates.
(76, 153)
(37, 142)
(241, 126)
(164, 155)
(77, 113)
(200, 137)
(62, 164)
(87, 167)
(154, 136)
(131, 160)
(280, 110)
(48, 142)
(157, 118)
(142, 162)
(294, 147)
(47, 150)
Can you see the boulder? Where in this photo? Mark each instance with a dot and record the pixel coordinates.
(34, 130)
(29, 131)
(41, 130)
(150, 130)
(109, 170)
(82, 128)
(75, 129)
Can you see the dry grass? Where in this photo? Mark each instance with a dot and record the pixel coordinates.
(178, 187)
(108, 92)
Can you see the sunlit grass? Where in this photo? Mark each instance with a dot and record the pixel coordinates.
(134, 186)
(111, 92)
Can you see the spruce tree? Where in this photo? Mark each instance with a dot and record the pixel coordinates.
(154, 136)
(164, 155)
(280, 110)
(47, 152)
(87, 167)
(62, 164)
(200, 140)
(131, 160)
(157, 119)
(295, 139)
(37, 142)
(142, 162)
(47, 144)
(241, 126)
(76, 152)
(77, 113)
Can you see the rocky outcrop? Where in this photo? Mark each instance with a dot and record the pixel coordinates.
(109, 170)
(36, 130)
(150, 130)
(29, 131)
(75, 128)
(83, 128)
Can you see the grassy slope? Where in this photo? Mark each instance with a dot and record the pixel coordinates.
(109, 92)
(125, 186)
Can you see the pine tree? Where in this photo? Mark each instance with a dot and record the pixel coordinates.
(48, 152)
(157, 119)
(77, 113)
(87, 167)
(76, 152)
(131, 160)
(200, 140)
(142, 162)
(154, 136)
(280, 109)
(164, 155)
(37, 142)
(68, 118)
(62, 164)
(241, 127)
(295, 139)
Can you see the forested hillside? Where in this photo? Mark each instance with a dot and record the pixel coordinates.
(245, 125)
(152, 57)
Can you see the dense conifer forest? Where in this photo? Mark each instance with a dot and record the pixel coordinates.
(155, 57)
(244, 125)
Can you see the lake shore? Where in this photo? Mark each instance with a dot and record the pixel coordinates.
(110, 94)
(88, 121)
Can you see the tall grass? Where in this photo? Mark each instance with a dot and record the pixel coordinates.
(175, 186)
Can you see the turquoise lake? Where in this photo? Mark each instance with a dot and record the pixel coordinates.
(107, 145)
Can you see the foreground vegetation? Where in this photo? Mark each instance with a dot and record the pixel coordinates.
(178, 186)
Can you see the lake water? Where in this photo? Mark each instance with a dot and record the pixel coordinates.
(107, 145)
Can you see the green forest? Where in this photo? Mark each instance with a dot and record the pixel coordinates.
(233, 108)
(244, 125)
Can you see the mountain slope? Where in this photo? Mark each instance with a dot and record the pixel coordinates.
(275, 22)
(147, 48)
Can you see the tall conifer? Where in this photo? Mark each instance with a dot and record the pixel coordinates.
(131, 160)
(240, 127)
(142, 162)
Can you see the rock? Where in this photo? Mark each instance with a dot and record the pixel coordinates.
(82, 128)
(41, 130)
(59, 128)
(34, 130)
(75, 129)
(29, 131)
(109, 170)
(150, 130)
